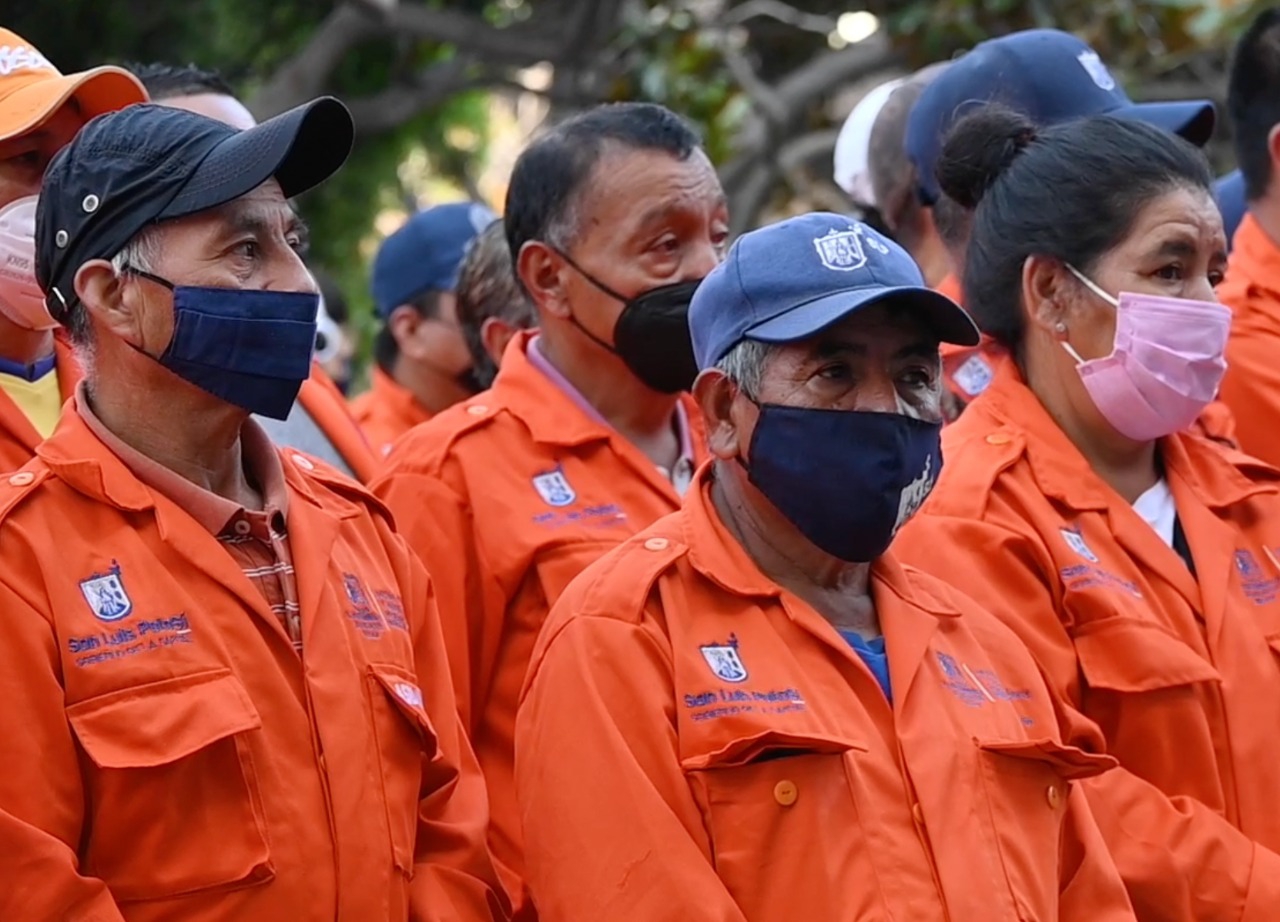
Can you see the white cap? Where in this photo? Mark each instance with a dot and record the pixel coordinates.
(854, 142)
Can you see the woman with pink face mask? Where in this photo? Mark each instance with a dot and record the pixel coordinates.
(1138, 561)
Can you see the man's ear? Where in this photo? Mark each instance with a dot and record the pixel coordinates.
(495, 333)
(1273, 148)
(112, 304)
(715, 395)
(542, 270)
(405, 323)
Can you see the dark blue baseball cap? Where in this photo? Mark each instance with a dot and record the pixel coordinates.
(143, 164)
(426, 253)
(1048, 76)
(1229, 191)
(790, 280)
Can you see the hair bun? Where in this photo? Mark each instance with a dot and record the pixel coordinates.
(978, 149)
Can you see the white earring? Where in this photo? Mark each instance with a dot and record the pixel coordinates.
(1060, 327)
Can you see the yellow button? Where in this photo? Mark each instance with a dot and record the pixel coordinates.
(22, 478)
(917, 814)
(477, 409)
(785, 793)
(1054, 796)
(657, 544)
(998, 438)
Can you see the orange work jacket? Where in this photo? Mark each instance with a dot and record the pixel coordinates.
(327, 407)
(1179, 671)
(696, 743)
(170, 755)
(506, 498)
(386, 411)
(967, 370)
(1252, 384)
(18, 438)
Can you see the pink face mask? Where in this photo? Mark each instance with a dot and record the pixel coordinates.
(1165, 366)
(21, 299)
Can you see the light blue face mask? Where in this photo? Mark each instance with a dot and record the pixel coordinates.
(250, 348)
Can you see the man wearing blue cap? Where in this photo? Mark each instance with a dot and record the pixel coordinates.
(751, 710)
(228, 696)
(1049, 76)
(1252, 286)
(423, 364)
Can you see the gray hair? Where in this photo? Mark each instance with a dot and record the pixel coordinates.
(488, 287)
(745, 364)
(139, 253)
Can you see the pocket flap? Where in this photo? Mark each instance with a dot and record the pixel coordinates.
(402, 688)
(1126, 655)
(770, 744)
(1068, 761)
(162, 722)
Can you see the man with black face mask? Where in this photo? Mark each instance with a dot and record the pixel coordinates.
(751, 710)
(423, 365)
(585, 437)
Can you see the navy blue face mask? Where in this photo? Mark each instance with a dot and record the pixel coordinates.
(250, 348)
(847, 479)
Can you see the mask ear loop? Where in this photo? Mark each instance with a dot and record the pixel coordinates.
(600, 286)
(1097, 290)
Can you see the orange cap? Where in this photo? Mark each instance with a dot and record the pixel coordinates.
(32, 89)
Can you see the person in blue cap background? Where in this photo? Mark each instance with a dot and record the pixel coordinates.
(422, 365)
(777, 720)
(1048, 76)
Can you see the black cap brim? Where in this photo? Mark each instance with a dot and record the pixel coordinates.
(301, 148)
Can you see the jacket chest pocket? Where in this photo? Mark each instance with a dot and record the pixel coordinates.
(173, 804)
(405, 743)
(1146, 689)
(1027, 785)
(767, 802)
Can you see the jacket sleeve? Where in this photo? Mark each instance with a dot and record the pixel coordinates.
(41, 794)
(1180, 860)
(1091, 888)
(454, 875)
(1251, 387)
(611, 828)
(436, 522)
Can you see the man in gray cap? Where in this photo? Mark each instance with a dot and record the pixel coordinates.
(229, 698)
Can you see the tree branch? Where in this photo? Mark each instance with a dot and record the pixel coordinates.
(548, 38)
(304, 76)
(783, 12)
(390, 108)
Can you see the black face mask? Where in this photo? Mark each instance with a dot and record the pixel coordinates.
(652, 333)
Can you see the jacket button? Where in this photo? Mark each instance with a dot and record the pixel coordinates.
(22, 478)
(477, 409)
(1054, 796)
(785, 793)
(657, 544)
(917, 814)
(998, 438)
(303, 462)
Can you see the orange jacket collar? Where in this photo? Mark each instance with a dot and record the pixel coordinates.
(551, 415)
(77, 457)
(716, 554)
(1063, 473)
(1256, 256)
